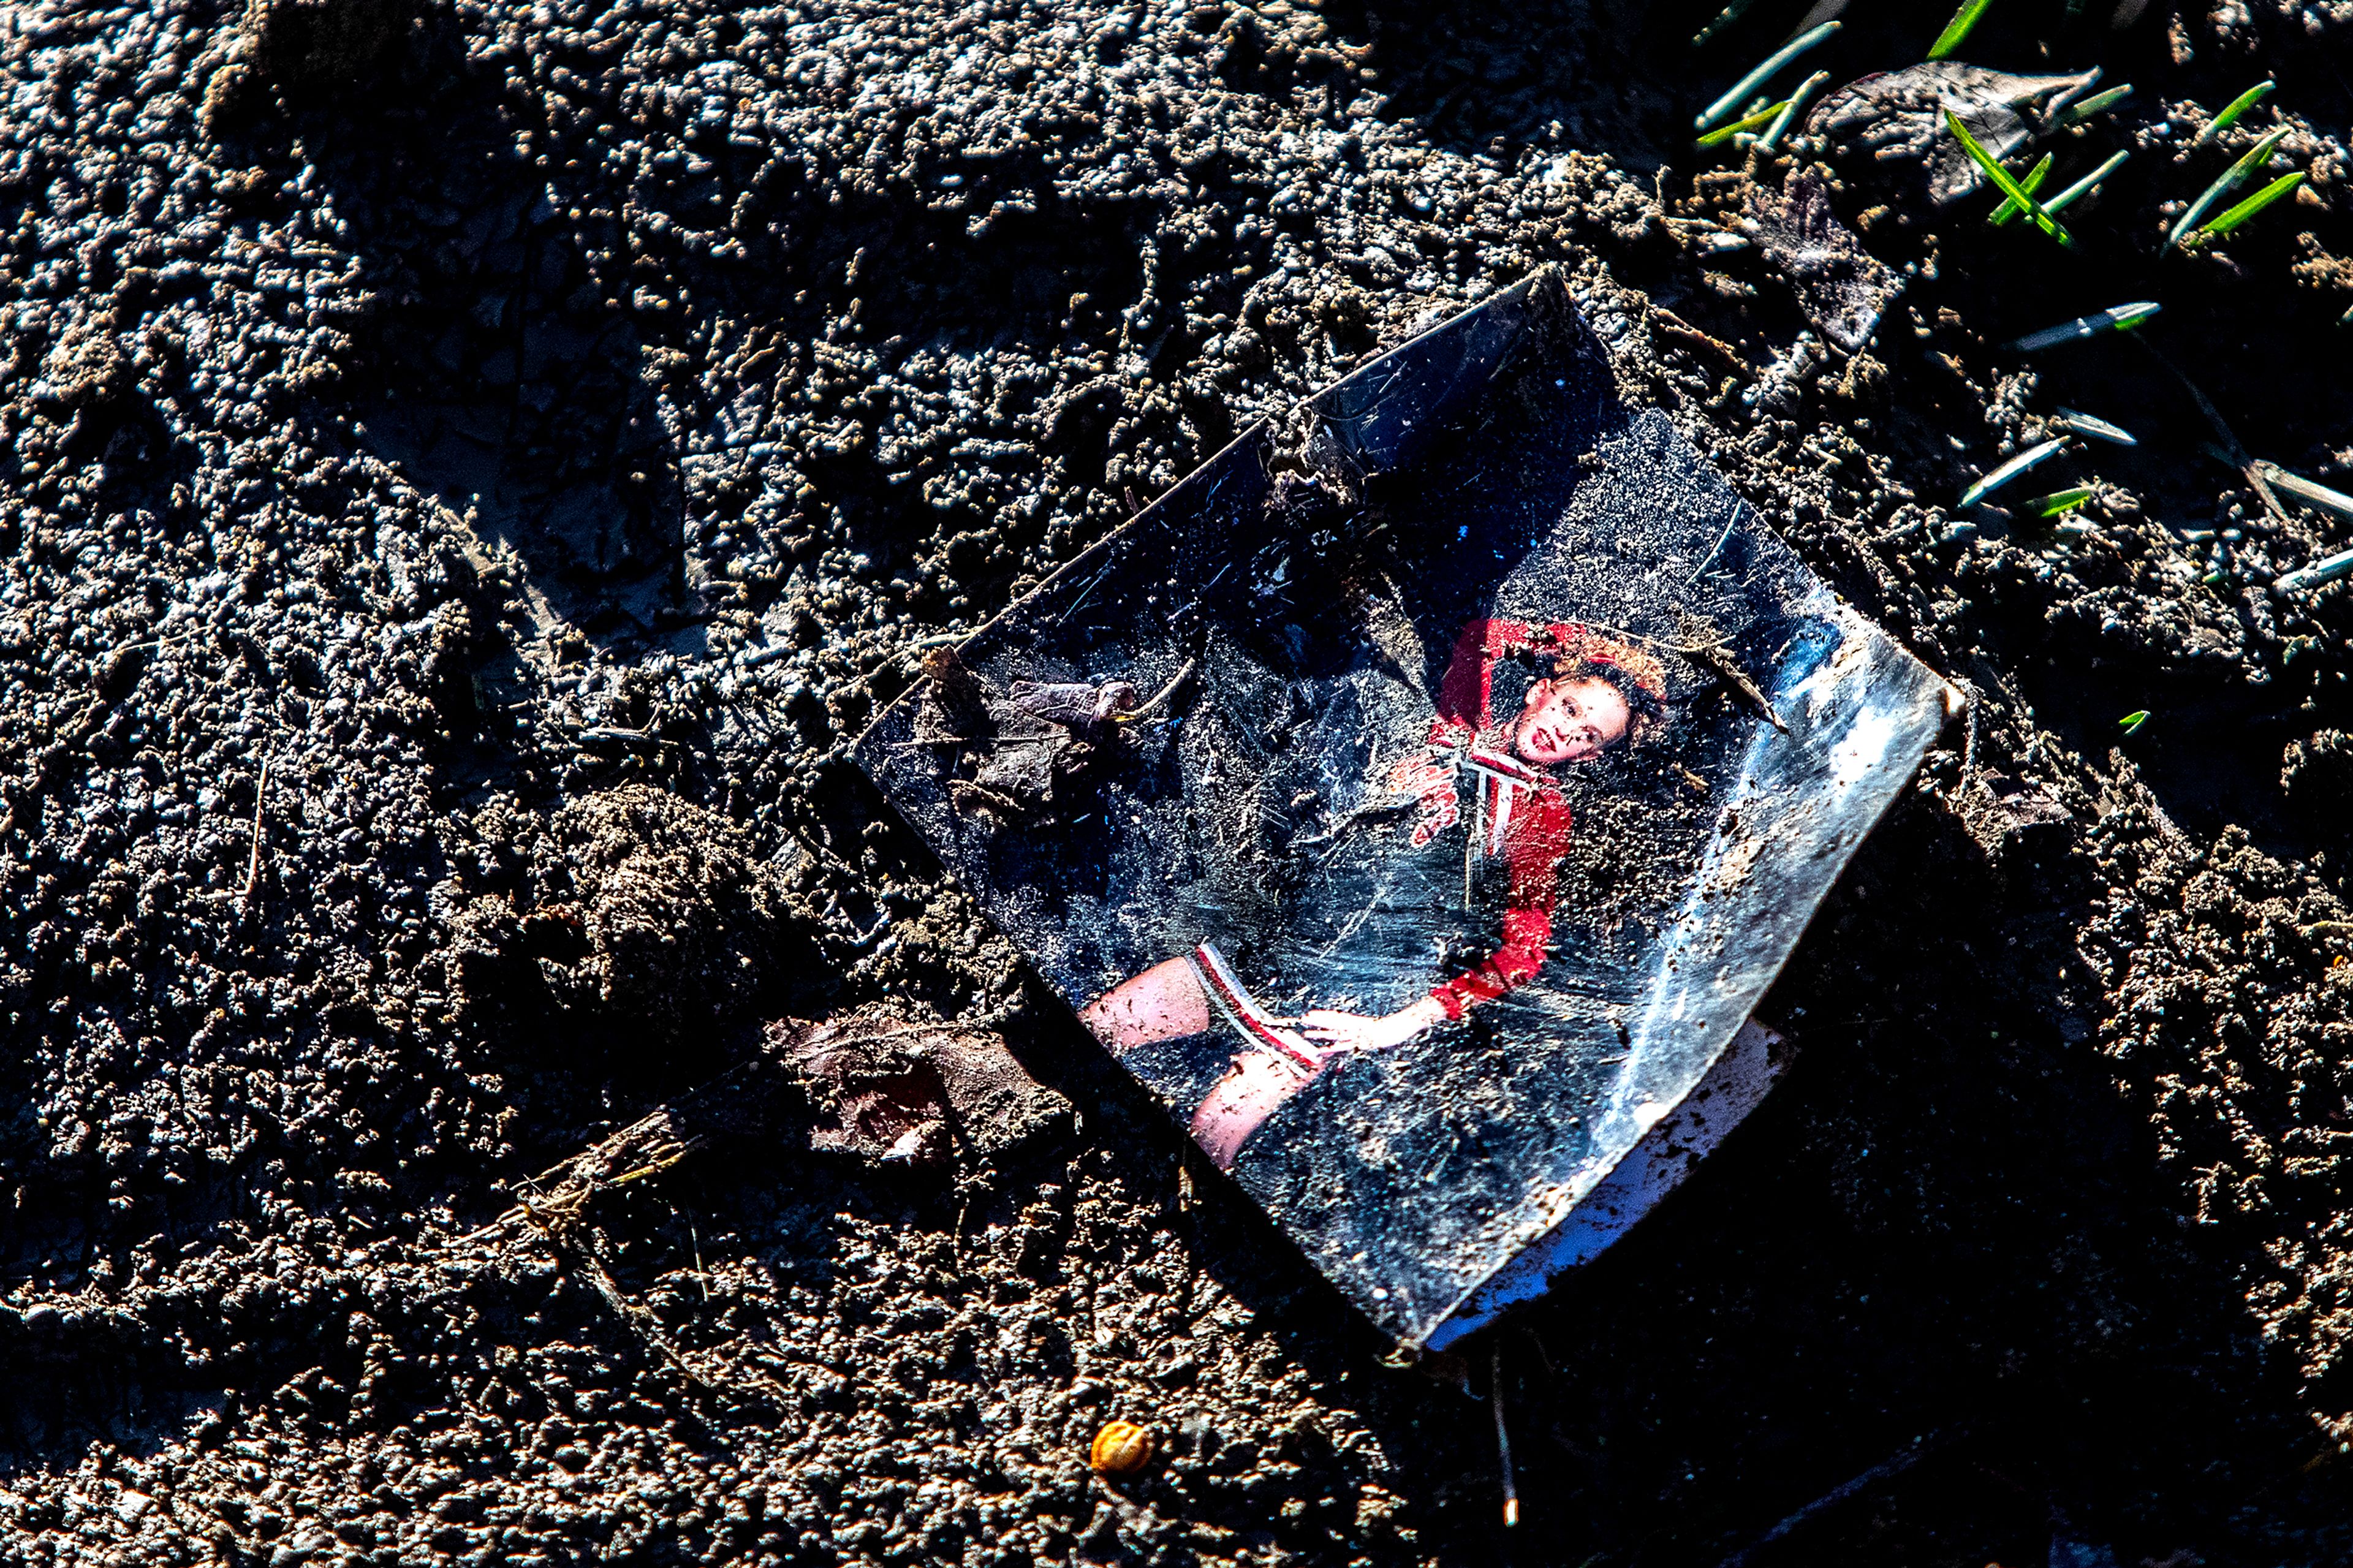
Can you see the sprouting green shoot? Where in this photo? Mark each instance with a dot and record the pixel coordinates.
(2058, 503)
(2085, 186)
(2004, 183)
(2030, 184)
(1790, 110)
(2229, 180)
(2251, 207)
(1956, 31)
(2085, 424)
(2315, 575)
(2232, 111)
(2099, 103)
(2010, 470)
(2132, 722)
(1737, 93)
(1723, 133)
(1732, 13)
(2115, 319)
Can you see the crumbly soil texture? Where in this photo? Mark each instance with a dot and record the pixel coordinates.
(469, 469)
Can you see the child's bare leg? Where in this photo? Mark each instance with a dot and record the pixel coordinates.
(1255, 1088)
(1163, 1003)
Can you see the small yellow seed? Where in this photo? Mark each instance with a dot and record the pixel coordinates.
(1121, 1448)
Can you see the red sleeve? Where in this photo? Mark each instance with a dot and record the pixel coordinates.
(1533, 843)
(1463, 693)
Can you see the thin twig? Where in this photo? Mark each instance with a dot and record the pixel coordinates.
(1969, 737)
(1720, 540)
(2307, 490)
(1502, 1438)
(563, 1231)
(253, 864)
(1084, 592)
(2230, 438)
(976, 741)
(1716, 658)
(638, 1318)
(1712, 656)
(1158, 697)
(1471, 845)
(1677, 327)
(1886, 1469)
(647, 1143)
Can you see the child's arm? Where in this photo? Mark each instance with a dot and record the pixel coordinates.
(1464, 693)
(1535, 842)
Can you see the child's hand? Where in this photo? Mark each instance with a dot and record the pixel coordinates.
(1354, 1032)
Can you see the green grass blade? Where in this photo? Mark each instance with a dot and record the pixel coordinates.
(2059, 501)
(1739, 90)
(1790, 110)
(2086, 185)
(2313, 575)
(1723, 133)
(2004, 183)
(2232, 111)
(2251, 205)
(1956, 31)
(2085, 424)
(2099, 103)
(2115, 319)
(2010, 470)
(2132, 722)
(2031, 183)
(2229, 180)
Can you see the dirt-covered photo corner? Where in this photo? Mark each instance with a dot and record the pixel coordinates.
(486, 1080)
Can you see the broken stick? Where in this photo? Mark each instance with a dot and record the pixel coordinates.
(1707, 648)
(253, 864)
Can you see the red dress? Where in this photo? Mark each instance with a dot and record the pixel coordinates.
(1517, 812)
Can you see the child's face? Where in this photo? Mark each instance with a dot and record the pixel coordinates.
(1570, 721)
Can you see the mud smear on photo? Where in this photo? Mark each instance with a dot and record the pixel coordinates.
(764, 347)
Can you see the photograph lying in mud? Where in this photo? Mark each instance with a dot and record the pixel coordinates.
(473, 471)
(1372, 910)
(1420, 830)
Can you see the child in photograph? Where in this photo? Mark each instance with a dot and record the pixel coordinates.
(1592, 694)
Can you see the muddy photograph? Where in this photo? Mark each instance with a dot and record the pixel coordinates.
(1133, 782)
(1318, 892)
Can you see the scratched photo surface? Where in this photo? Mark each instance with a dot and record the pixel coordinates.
(1355, 815)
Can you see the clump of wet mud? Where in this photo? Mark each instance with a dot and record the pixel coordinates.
(472, 466)
(643, 906)
(298, 49)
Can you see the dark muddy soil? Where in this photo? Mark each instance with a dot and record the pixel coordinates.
(471, 468)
